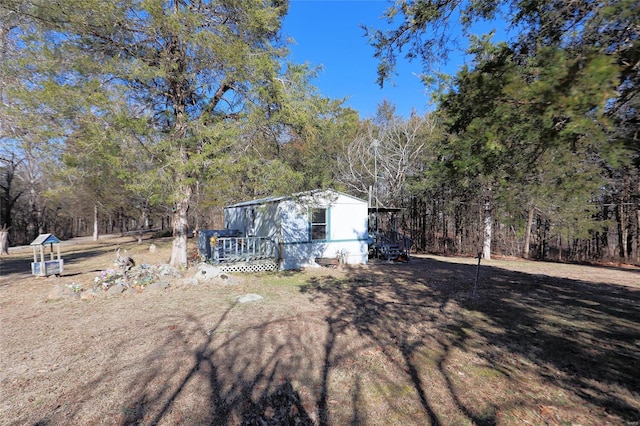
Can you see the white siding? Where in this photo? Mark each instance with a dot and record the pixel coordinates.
(287, 221)
(294, 222)
(267, 221)
(233, 218)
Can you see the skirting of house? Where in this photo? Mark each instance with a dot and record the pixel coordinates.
(262, 265)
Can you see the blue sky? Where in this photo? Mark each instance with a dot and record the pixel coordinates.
(328, 33)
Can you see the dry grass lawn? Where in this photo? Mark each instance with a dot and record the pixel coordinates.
(385, 344)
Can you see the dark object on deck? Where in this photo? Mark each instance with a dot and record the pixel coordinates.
(385, 241)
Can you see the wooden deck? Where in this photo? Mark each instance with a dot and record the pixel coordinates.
(243, 249)
(222, 247)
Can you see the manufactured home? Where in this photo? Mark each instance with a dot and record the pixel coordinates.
(305, 228)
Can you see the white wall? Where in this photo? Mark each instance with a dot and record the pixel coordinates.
(294, 222)
(347, 227)
(287, 221)
(265, 224)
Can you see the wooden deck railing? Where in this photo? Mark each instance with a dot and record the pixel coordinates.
(236, 249)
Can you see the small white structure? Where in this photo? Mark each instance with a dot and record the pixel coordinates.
(307, 227)
(44, 267)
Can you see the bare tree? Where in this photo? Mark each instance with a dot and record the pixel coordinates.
(9, 194)
(380, 158)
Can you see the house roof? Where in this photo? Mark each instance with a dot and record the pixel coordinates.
(275, 199)
(265, 200)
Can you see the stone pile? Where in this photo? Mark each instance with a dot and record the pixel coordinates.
(138, 279)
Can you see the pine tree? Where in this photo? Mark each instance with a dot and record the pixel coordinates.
(191, 73)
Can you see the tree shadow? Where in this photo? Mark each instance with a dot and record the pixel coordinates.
(250, 376)
(71, 256)
(22, 264)
(283, 406)
(237, 367)
(576, 335)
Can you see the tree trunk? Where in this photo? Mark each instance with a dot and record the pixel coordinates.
(487, 226)
(636, 240)
(622, 229)
(183, 195)
(559, 248)
(4, 240)
(544, 241)
(196, 226)
(180, 229)
(624, 217)
(527, 234)
(95, 222)
(144, 222)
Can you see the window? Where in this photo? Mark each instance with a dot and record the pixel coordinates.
(318, 219)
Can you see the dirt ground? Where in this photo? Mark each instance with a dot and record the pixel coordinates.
(390, 343)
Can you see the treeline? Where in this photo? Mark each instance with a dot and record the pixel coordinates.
(591, 223)
(154, 116)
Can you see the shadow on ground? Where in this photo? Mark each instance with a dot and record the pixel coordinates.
(580, 337)
(19, 264)
(22, 264)
(450, 349)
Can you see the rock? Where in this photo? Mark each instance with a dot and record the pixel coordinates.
(69, 292)
(185, 283)
(56, 293)
(251, 297)
(168, 270)
(159, 285)
(227, 280)
(115, 290)
(153, 248)
(89, 294)
(207, 272)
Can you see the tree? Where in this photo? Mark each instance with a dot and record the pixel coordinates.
(385, 153)
(504, 115)
(4, 240)
(195, 72)
(9, 20)
(9, 194)
(430, 30)
(554, 87)
(10, 160)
